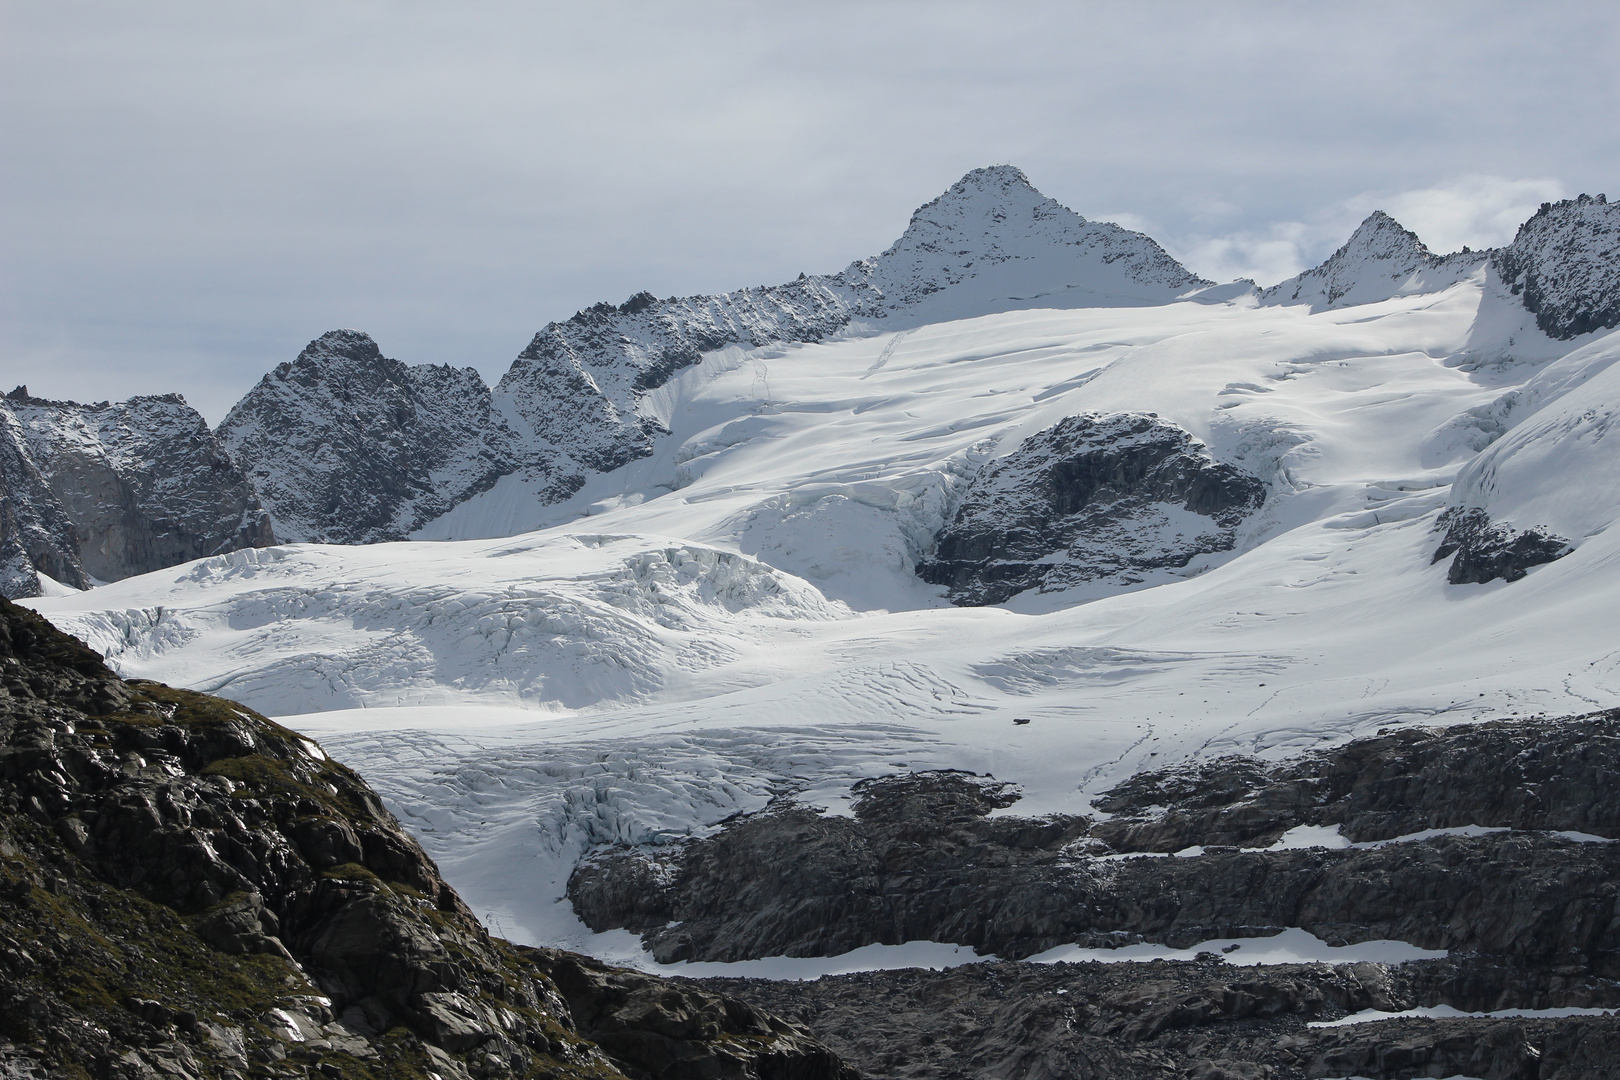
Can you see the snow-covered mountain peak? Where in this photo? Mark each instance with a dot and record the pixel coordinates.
(1382, 237)
(975, 205)
(335, 347)
(1381, 259)
(347, 445)
(993, 229)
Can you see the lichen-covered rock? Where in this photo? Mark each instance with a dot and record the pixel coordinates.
(1095, 497)
(110, 490)
(193, 891)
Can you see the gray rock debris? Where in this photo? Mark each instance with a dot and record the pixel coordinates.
(1196, 1020)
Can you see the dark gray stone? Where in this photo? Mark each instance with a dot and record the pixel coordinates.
(1094, 497)
(1563, 264)
(110, 490)
(1487, 550)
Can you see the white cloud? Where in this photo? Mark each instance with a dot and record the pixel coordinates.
(1266, 256)
(1471, 211)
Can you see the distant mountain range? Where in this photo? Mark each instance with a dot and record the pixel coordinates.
(345, 445)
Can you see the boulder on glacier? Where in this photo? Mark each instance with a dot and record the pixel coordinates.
(1485, 550)
(1094, 497)
(107, 491)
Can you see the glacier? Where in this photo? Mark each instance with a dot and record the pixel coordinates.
(732, 613)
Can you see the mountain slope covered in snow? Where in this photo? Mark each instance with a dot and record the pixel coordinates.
(1380, 260)
(346, 448)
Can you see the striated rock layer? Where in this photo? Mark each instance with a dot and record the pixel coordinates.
(192, 891)
(111, 490)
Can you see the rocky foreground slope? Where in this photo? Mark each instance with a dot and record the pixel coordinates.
(192, 891)
(1522, 892)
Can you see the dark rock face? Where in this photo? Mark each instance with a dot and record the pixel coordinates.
(1094, 497)
(1202, 1019)
(792, 882)
(348, 446)
(576, 385)
(669, 1028)
(193, 891)
(1530, 918)
(111, 490)
(1487, 550)
(1563, 264)
(36, 536)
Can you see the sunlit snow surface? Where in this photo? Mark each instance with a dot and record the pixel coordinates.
(737, 618)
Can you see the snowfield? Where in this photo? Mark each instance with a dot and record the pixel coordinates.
(737, 617)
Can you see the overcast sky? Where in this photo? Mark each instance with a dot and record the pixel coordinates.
(192, 191)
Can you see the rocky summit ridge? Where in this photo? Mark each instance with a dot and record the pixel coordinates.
(571, 404)
(1382, 259)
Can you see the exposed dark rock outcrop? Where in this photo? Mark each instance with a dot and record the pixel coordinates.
(1205, 1019)
(1486, 550)
(192, 891)
(1530, 918)
(1563, 263)
(1094, 497)
(794, 882)
(110, 490)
